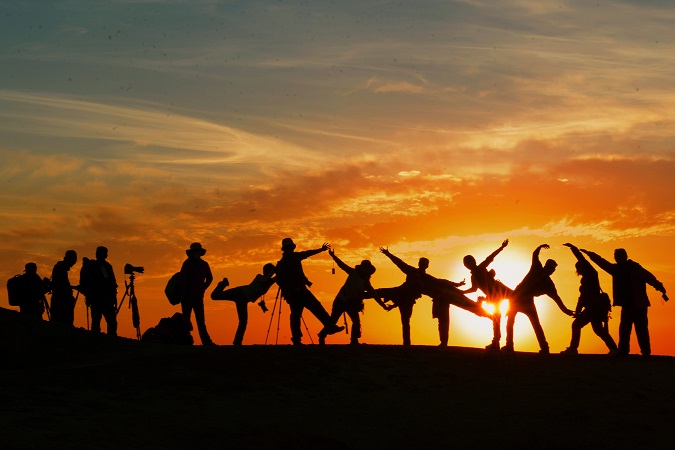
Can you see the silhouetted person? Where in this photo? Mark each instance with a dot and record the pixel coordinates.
(294, 288)
(537, 282)
(590, 307)
(405, 296)
(444, 293)
(195, 278)
(99, 286)
(495, 291)
(63, 301)
(349, 299)
(33, 290)
(243, 295)
(629, 288)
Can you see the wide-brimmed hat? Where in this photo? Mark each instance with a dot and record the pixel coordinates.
(287, 244)
(197, 248)
(366, 266)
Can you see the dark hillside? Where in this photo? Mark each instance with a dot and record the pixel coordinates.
(68, 389)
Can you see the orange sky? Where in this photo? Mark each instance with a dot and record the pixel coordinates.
(436, 129)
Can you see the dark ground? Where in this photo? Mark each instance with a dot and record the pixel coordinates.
(68, 389)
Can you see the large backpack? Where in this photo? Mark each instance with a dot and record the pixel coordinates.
(15, 290)
(172, 289)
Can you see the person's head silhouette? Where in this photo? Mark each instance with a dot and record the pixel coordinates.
(620, 255)
(469, 262)
(287, 245)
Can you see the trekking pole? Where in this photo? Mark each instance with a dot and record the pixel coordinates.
(274, 308)
(88, 327)
(307, 330)
(344, 317)
(276, 342)
(46, 305)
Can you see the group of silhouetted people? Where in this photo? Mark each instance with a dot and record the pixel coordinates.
(98, 285)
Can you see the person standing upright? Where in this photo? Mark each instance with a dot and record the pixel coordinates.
(99, 286)
(195, 278)
(63, 301)
(629, 288)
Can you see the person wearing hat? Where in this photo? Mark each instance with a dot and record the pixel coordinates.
(33, 290)
(195, 278)
(294, 285)
(63, 301)
(349, 299)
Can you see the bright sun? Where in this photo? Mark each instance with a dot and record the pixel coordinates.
(469, 329)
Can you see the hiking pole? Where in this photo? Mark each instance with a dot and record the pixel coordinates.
(344, 317)
(46, 306)
(274, 308)
(276, 342)
(307, 330)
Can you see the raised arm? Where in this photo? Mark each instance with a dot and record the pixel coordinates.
(492, 256)
(307, 253)
(339, 262)
(535, 254)
(577, 253)
(600, 261)
(404, 267)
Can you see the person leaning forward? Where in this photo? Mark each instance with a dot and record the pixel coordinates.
(405, 296)
(195, 278)
(34, 288)
(537, 282)
(294, 286)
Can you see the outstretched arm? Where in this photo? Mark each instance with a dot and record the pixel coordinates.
(600, 261)
(339, 262)
(404, 267)
(492, 256)
(553, 293)
(307, 253)
(577, 253)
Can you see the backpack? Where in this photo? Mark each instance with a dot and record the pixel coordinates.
(172, 289)
(15, 290)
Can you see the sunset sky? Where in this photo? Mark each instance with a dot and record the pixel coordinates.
(434, 128)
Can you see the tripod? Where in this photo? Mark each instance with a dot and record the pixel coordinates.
(133, 304)
(278, 299)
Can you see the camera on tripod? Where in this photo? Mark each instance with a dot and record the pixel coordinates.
(130, 270)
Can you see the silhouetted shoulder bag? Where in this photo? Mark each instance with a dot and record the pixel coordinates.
(172, 289)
